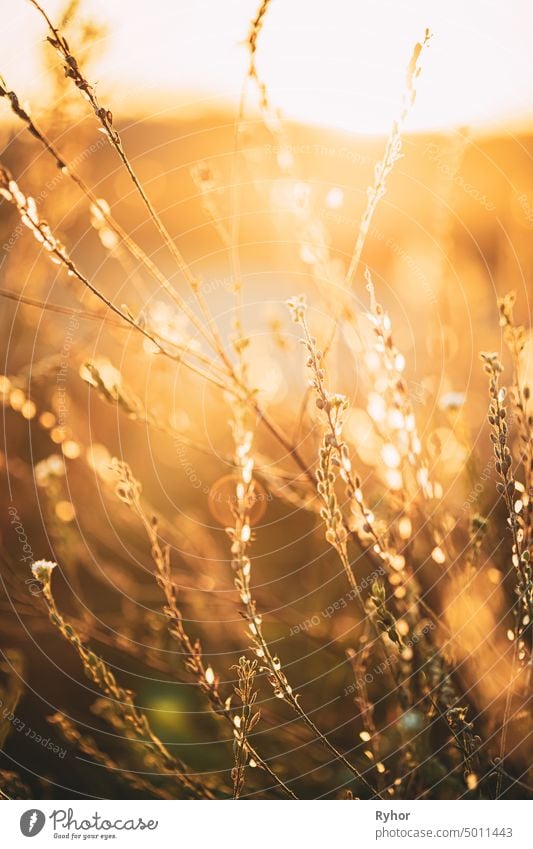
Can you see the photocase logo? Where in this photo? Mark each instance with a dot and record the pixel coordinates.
(32, 822)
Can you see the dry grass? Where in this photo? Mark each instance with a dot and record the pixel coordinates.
(384, 701)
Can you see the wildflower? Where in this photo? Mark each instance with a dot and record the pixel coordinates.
(42, 570)
(297, 306)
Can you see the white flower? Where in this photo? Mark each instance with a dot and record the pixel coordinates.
(42, 570)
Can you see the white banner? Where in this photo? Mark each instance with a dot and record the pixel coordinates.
(308, 824)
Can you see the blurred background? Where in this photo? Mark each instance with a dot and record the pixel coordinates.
(450, 236)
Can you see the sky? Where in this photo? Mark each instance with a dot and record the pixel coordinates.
(339, 63)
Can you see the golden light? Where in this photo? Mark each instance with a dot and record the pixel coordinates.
(47, 419)
(28, 409)
(65, 511)
(241, 476)
(341, 65)
(17, 399)
(71, 449)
